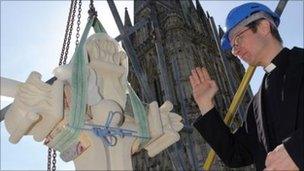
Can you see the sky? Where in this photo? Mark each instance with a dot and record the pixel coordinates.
(32, 33)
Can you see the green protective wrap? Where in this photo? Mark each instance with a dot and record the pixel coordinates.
(76, 116)
(140, 115)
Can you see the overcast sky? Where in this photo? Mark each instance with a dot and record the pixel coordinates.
(32, 33)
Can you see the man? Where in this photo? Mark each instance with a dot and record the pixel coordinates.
(271, 137)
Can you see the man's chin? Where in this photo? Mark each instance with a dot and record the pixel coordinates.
(253, 63)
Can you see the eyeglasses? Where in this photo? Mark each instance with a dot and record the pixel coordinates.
(237, 40)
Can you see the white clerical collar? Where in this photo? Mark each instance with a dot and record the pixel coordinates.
(269, 68)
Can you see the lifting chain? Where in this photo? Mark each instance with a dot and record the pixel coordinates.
(51, 163)
(49, 159)
(92, 12)
(54, 160)
(68, 33)
(78, 22)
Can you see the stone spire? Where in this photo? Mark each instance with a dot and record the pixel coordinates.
(127, 22)
(200, 10)
(221, 32)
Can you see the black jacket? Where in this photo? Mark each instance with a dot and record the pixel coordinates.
(249, 144)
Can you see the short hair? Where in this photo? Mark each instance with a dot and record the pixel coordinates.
(273, 29)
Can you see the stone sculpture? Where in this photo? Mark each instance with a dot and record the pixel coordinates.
(42, 110)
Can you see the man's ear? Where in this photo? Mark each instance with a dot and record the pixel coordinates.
(264, 27)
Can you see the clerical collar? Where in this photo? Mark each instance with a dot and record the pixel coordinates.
(278, 61)
(269, 68)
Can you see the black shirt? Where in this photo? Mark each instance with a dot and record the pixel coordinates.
(273, 97)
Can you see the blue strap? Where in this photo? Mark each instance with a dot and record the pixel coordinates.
(106, 136)
(109, 134)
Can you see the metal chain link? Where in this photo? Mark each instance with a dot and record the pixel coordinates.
(54, 160)
(70, 32)
(51, 163)
(49, 159)
(92, 12)
(78, 23)
(66, 33)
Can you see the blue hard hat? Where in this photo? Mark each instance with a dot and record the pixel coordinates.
(238, 14)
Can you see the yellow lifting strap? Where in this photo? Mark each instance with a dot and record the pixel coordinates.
(237, 99)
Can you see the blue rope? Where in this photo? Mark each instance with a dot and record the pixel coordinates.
(109, 134)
